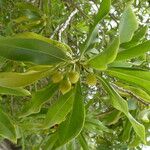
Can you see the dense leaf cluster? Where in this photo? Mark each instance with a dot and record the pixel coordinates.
(75, 74)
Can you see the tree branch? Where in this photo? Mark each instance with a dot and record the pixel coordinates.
(61, 28)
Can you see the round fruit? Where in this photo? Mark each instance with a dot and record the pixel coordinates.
(73, 76)
(65, 86)
(91, 79)
(57, 77)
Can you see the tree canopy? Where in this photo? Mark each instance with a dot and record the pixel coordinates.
(75, 74)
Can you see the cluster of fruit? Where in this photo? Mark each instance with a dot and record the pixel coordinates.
(72, 77)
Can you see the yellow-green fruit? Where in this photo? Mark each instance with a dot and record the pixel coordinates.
(65, 86)
(57, 77)
(73, 76)
(91, 79)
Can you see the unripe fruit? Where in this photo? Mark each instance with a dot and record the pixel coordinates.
(91, 79)
(73, 76)
(57, 77)
(65, 86)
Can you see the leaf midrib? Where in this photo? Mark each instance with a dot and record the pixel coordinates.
(61, 107)
(28, 49)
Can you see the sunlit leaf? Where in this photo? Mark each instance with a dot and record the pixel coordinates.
(138, 36)
(101, 61)
(137, 77)
(13, 79)
(134, 51)
(128, 25)
(14, 91)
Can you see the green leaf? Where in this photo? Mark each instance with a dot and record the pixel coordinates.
(2, 3)
(13, 79)
(144, 115)
(50, 142)
(103, 11)
(112, 117)
(126, 131)
(7, 128)
(28, 6)
(38, 99)
(83, 142)
(32, 35)
(120, 104)
(128, 25)
(14, 91)
(137, 91)
(73, 125)
(135, 142)
(136, 77)
(101, 61)
(134, 51)
(32, 49)
(90, 39)
(138, 36)
(98, 125)
(59, 110)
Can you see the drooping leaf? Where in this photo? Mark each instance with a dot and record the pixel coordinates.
(59, 110)
(128, 25)
(13, 79)
(38, 99)
(137, 91)
(7, 128)
(14, 91)
(137, 77)
(102, 12)
(120, 104)
(31, 49)
(101, 61)
(134, 51)
(73, 125)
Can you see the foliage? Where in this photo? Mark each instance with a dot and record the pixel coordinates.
(75, 74)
